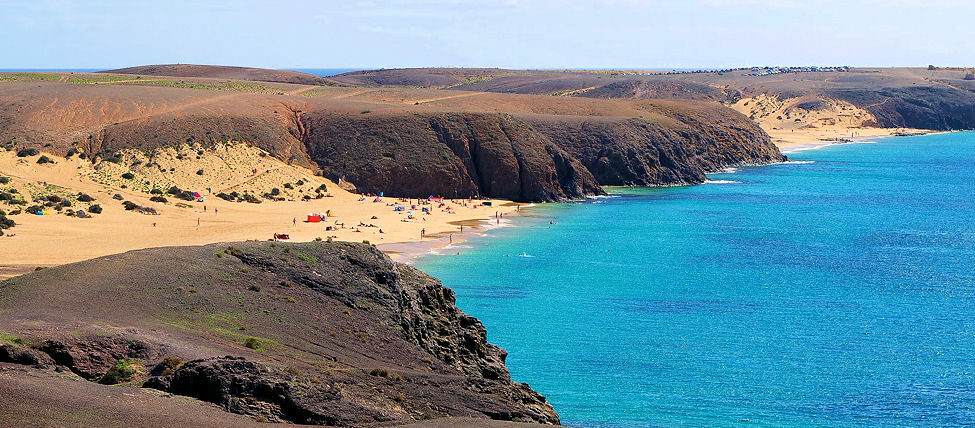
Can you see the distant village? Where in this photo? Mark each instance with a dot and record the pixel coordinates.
(765, 71)
(760, 71)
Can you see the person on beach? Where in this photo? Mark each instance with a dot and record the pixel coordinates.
(294, 221)
(423, 233)
(449, 237)
(214, 211)
(197, 222)
(204, 208)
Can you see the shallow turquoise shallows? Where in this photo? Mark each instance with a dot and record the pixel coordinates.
(835, 290)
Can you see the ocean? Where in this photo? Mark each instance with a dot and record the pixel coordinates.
(834, 290)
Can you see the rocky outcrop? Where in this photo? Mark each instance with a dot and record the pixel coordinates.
(924, 107)
(313, 333)
(530, 158)
(644, 153)
(452, 155)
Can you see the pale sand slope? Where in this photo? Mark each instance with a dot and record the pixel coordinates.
(800, 122)
(57, 239)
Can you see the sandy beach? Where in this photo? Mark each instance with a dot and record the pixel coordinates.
(47, 240)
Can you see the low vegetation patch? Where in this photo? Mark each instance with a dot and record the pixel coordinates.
(253, 343)
(122, 371)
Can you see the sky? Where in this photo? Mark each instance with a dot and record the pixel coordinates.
(636, 34)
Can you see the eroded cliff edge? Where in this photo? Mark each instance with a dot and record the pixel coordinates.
(530, 157)
(315, 333)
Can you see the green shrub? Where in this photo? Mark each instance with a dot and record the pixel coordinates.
(95, 209)
(275, 191)
(226, 197)
(159, 199)
(168, 366)
(122, 371)
(155, 192)
(199, 172)
(71, 152)
(84, 197)
(379, 372)
(44, 159)
(288, 186)
(253, 343)
(129, 205)
(22, 153)
(128, 176)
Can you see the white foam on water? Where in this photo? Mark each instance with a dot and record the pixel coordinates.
(806, 162)
(720, 181)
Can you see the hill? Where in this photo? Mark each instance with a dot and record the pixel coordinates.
(315, 333)
(403, 141)
(935, 99)
(223, 72)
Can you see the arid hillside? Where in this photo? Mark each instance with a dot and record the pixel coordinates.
(317, 333)
(937, 99)
(411, 142)
(223, 72)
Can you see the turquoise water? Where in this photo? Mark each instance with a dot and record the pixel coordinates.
(835, 291)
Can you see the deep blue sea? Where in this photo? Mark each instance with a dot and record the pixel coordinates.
(836, 290)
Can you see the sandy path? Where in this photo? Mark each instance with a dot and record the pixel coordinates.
(449, 97)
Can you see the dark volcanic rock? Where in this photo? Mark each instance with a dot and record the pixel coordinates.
(929, 107)
(644, 153)
(453, 155)
(248, 388)
(530, 158)
(337, 335)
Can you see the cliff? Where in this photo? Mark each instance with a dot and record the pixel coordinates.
(404, 142)
(531, 158)
(454, 155)
(316, 333)
(638, 152)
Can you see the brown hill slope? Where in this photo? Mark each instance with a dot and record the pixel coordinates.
(223, 72)
(407, 142)
(937, 99)
(318, 333)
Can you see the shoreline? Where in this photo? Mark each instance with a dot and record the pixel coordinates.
(813, 145)
(56, 239)
(408, 252)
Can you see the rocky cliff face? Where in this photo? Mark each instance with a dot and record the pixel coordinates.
(529, 158)
(929, 107)
(341, 335)
(453, 155)
(643, 153)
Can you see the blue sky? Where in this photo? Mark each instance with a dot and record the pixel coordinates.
(504, 33)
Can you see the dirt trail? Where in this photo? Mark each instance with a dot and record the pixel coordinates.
(449, 97)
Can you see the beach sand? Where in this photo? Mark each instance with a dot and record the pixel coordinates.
(808, 122)
(47, 240)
